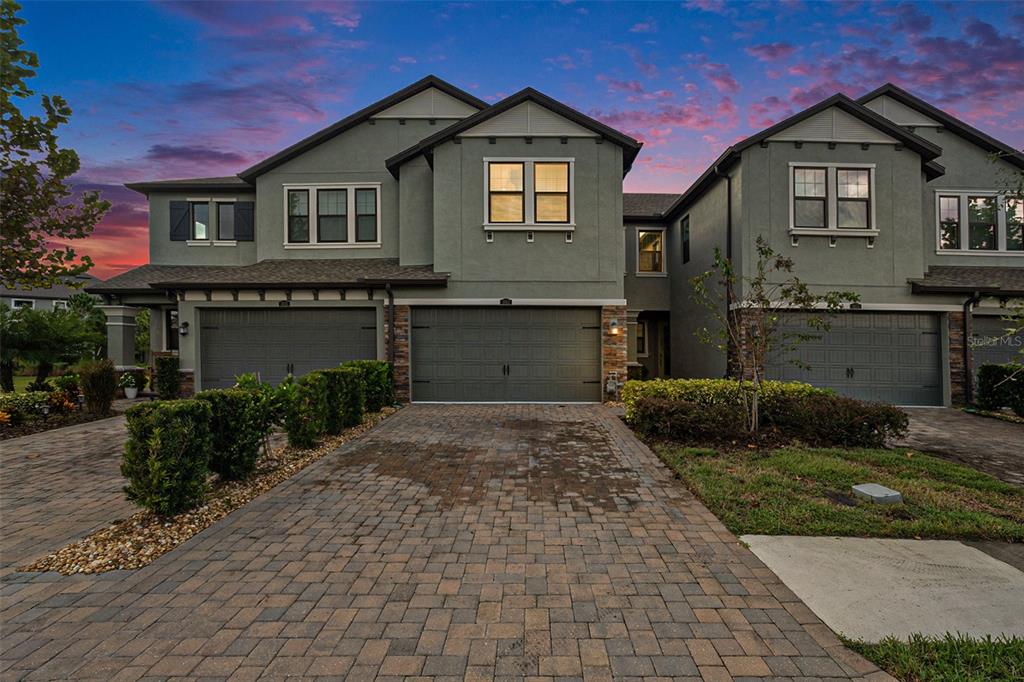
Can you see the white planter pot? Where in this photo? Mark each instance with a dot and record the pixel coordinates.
(131, 392)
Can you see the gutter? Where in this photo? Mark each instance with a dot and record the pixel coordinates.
(968, 374)
(728, 211)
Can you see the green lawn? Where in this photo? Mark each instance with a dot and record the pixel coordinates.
(949, 659)
(21, 382)
(804, 491)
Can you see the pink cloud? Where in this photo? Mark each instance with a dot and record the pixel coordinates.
(770, 52)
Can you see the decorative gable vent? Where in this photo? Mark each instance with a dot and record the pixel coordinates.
(529, 119)
(833, 125)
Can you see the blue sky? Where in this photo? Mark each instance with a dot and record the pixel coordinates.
(163, 90)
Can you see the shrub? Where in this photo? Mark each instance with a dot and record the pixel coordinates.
(711, 391)
(99, 385)
(378, 384)
(345, 398)
(133, 378)
(23, 407)
(305, 409)
(687, 421)
(238, 428)
(41, 386)
(833, 420)
(1001, 386)
(269, 399)
(167, 381)
(167, 455)
(68, 383)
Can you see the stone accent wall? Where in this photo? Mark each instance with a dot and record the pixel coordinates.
(401, 340)
(188, 383)
(613, 347)
(958, 373)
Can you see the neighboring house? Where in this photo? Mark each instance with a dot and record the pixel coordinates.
(885, 196)
(488, 251)
(479, 248)
(41, 298)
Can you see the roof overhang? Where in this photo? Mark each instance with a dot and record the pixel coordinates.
(191, 185)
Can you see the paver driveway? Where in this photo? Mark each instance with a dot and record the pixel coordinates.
(451, 541)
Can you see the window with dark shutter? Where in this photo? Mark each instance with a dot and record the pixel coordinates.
(179, 221)
(245, 225)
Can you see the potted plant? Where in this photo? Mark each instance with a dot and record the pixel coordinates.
(130, 385)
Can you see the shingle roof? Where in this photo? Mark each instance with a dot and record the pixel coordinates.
(56, 292)
(968, 279)
(635, 205)
(229, 183)
(275, 273)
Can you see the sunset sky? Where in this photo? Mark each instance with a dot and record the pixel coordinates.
(168, 90)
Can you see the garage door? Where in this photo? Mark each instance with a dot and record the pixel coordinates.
(506, 354)
(235, 341)
(888, 357)
(991, 344)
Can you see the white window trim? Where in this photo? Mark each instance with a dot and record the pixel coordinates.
(832, 201)
(214, 225)
(60, 304)
(647, 339)
(965, 249)
(664, 259)
(314, 236)
(529, 218)
(15, 301)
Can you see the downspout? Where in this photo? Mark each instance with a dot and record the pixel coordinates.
(391, 323)
(968, 374)
(729, 296)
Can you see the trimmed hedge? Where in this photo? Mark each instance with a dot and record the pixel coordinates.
(167, 381)
(711, 391)
(344, 397)
(1001, 386)
(306, 409)
(378, 383)
(98, 380)
(791, 412)
(167, 455)
(238, 427)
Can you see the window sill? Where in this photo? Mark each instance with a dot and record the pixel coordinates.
(225, 242)
(198, 242)
(332, 246)
(530, 227)
(964, 252)
(651, 274)
(847, 232)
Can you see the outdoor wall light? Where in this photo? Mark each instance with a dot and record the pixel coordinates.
(613, 326)
(183, 329)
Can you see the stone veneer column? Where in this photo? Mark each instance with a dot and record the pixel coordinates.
(613, 347)
(401, 341)
(959, 374)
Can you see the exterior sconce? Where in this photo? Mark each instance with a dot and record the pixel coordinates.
(183, 329)
(613, 327)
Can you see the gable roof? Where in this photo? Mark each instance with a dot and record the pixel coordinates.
(927, 151)
(629, 146)
(968, 132)
(231, 183)
(355, 119)
(640, 206)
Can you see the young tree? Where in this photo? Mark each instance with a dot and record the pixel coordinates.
(37, 212)
(54, 336)
(750, 338)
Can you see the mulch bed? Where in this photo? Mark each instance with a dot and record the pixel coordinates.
(138, 540)
(1000, 414)
(55, 422)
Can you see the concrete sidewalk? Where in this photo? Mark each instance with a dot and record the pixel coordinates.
(869, 589)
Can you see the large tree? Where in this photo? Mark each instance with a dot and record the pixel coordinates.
(38, 213)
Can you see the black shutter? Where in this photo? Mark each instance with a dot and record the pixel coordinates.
(244, 222)
(179, 221)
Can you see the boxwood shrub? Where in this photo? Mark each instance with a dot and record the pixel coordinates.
(238, 427)
(306, 409)
(833, 420)
(344, 397)
(686, 421)
(1001, 386)
(710, 391)
(98, 380)
(378, 386)
(167, 455)
(167, 381)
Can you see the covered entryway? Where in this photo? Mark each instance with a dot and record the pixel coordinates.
(887, 357)
(275, 342)
(496, 354)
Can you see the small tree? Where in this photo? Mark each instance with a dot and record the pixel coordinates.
(750, 339)
(37, 216)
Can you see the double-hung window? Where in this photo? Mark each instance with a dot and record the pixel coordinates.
(537, 193)
(832, 197)
(853, 199)
(810, 197)
(200, 220)
(332, 216)
(226, 221)
(641, 338)
(979, 222)
(650, 251)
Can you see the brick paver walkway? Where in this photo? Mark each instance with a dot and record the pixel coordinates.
(450, 542)
(983, 443)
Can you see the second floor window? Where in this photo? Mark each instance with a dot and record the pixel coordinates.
(809, 197)
(200, 220)
(505, 193)
(651, 251)
(979, 222)
(225, 221)
(332, 216)
(686, 239)
(833, 197)
(551, 192)
(529, 192)
(853, 199)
